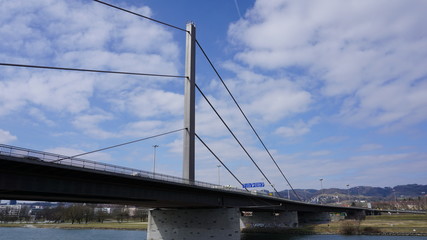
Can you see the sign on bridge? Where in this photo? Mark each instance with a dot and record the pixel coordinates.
(253, 185)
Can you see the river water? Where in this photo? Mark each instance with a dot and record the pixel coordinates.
(64, 234)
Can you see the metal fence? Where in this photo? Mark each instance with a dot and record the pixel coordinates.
(35, 155)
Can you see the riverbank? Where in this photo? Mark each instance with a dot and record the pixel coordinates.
(105, 225)
(399, 224)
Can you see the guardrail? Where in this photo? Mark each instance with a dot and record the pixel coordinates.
(35, 155)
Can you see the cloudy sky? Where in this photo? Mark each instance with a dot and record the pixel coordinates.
(337, 89)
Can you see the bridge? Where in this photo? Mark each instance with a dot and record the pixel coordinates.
(180, 206)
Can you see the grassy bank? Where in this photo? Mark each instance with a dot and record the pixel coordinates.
(399, 224)
(106, 225)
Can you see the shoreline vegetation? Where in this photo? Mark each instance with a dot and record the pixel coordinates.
(399, 224)
(131, 225)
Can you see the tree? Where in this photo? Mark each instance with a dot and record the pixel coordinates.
(24, 214)
(100, 215)
(120, 214)
(141, 214)
(3, 214)
(88, 213)
(75, 213)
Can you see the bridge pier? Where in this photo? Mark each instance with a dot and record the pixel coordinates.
(194, 224)
(268, 221)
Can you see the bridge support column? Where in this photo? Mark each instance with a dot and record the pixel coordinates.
(194, 224)
(268, 221)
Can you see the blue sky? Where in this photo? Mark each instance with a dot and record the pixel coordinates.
(336, 89)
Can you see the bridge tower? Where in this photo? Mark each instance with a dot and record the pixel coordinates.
(192, 224)
(189, 103)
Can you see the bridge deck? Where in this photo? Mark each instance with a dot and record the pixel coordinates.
(33, 175)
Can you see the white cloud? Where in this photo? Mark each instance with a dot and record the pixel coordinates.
(57, 92)
(83, 34)
(150, 103)
(148, 128)
(321, 153)
(6, 136)
(298, 129)
(89, 124)
(369, 53)
(39, 115)
(370, 147)
(370, 170)
(97, 156)
(332, 140)
(267, 98)
(208, 123)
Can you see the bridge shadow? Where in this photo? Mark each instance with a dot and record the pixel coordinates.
(278, 234)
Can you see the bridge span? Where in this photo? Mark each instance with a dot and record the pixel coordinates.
(181, 208)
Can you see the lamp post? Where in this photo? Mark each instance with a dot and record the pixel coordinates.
(219, 174)
(395, 199)
(321, 189)
(154, 158)
(424, 204)
(321, 185)
(358, 195)
(305, 196)
(348, 192)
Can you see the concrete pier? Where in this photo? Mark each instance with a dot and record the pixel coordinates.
(194, 224)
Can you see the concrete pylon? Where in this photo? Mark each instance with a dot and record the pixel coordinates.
(189, 104)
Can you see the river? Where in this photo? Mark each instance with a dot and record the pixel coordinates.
(64, 234)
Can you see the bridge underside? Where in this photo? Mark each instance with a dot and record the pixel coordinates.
(28, 179)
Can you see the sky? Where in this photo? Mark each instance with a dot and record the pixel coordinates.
(336, 89)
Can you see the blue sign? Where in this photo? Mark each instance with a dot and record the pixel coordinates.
(253, 185)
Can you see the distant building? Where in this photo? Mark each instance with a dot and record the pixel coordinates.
(106, 210)
(10, 210)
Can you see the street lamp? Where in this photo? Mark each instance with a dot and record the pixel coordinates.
(321, 185)
(358, 195)
(219, 175)
(321, 188)
(348, 192)
(395, 199)
(424, 205)
(154, 158)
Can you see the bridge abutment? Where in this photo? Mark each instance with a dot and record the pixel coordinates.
(194, 224)
(268, 221)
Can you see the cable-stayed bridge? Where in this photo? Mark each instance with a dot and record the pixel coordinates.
(34, 175)
(183, 208)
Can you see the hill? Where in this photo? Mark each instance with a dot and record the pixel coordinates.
(360, 193)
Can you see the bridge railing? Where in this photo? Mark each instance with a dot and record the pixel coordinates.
(36, 155)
